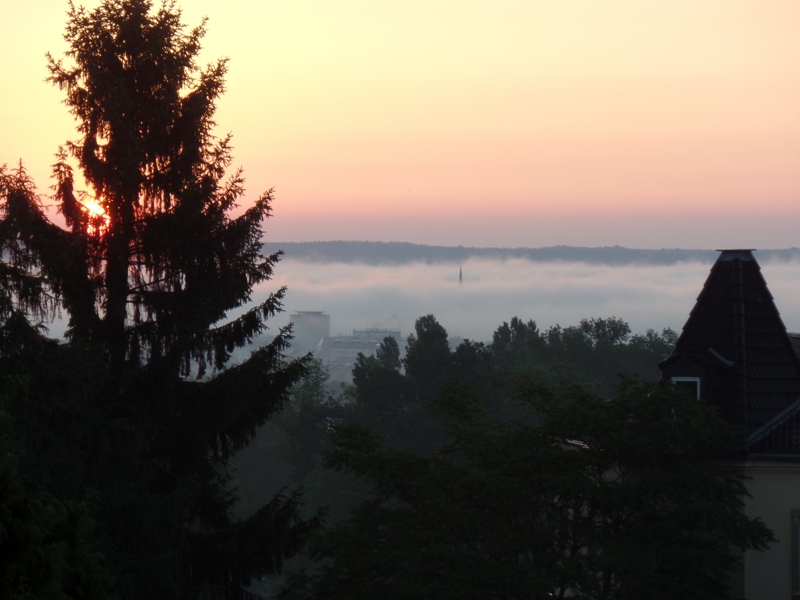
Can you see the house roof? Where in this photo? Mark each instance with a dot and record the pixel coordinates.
(780, 436)
(736, 323)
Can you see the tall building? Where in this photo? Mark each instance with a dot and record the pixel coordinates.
(340, 353)
(375, 335)
(310, 326)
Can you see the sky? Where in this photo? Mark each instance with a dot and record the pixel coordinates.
(671, 123)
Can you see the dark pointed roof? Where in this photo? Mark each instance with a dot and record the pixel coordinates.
(781, 436)
(736, 323)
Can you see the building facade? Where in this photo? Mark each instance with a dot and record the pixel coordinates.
(339, 353)
(734, 352)
(309, 327)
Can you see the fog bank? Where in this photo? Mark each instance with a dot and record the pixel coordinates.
(493, 291)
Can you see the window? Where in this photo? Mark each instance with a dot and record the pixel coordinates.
(690, 384)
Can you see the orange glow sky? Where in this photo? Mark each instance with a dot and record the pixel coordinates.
(647, 124)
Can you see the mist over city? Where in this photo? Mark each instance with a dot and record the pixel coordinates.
(647, 296)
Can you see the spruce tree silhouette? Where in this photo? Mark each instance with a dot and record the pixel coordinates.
(137, 405)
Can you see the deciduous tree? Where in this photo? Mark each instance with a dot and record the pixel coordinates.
(587, 498)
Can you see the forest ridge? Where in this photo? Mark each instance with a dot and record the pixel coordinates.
(388, 253)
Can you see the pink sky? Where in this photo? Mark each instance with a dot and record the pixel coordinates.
(648, 124)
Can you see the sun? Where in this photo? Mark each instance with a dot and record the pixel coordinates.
(98, 218)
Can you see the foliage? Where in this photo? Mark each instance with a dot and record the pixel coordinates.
(427, 359)
(288, 450)
(600, 499)
(595, 350)
(147, 270)
(422, 453)
(45, 543)
(391, 395)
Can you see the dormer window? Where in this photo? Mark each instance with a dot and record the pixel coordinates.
(690, 384)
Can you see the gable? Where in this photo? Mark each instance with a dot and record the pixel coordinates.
(737, 337)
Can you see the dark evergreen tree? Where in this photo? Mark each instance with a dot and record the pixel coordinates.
(147, 270)
(45, 544)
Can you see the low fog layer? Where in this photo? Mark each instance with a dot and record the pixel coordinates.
(358, 295)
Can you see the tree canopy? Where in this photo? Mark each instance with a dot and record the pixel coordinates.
(587, 498)
(46, 544)
(511, 470)
(137, 407)
(392, 391)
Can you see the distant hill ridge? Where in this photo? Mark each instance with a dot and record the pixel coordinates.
(392, 253)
